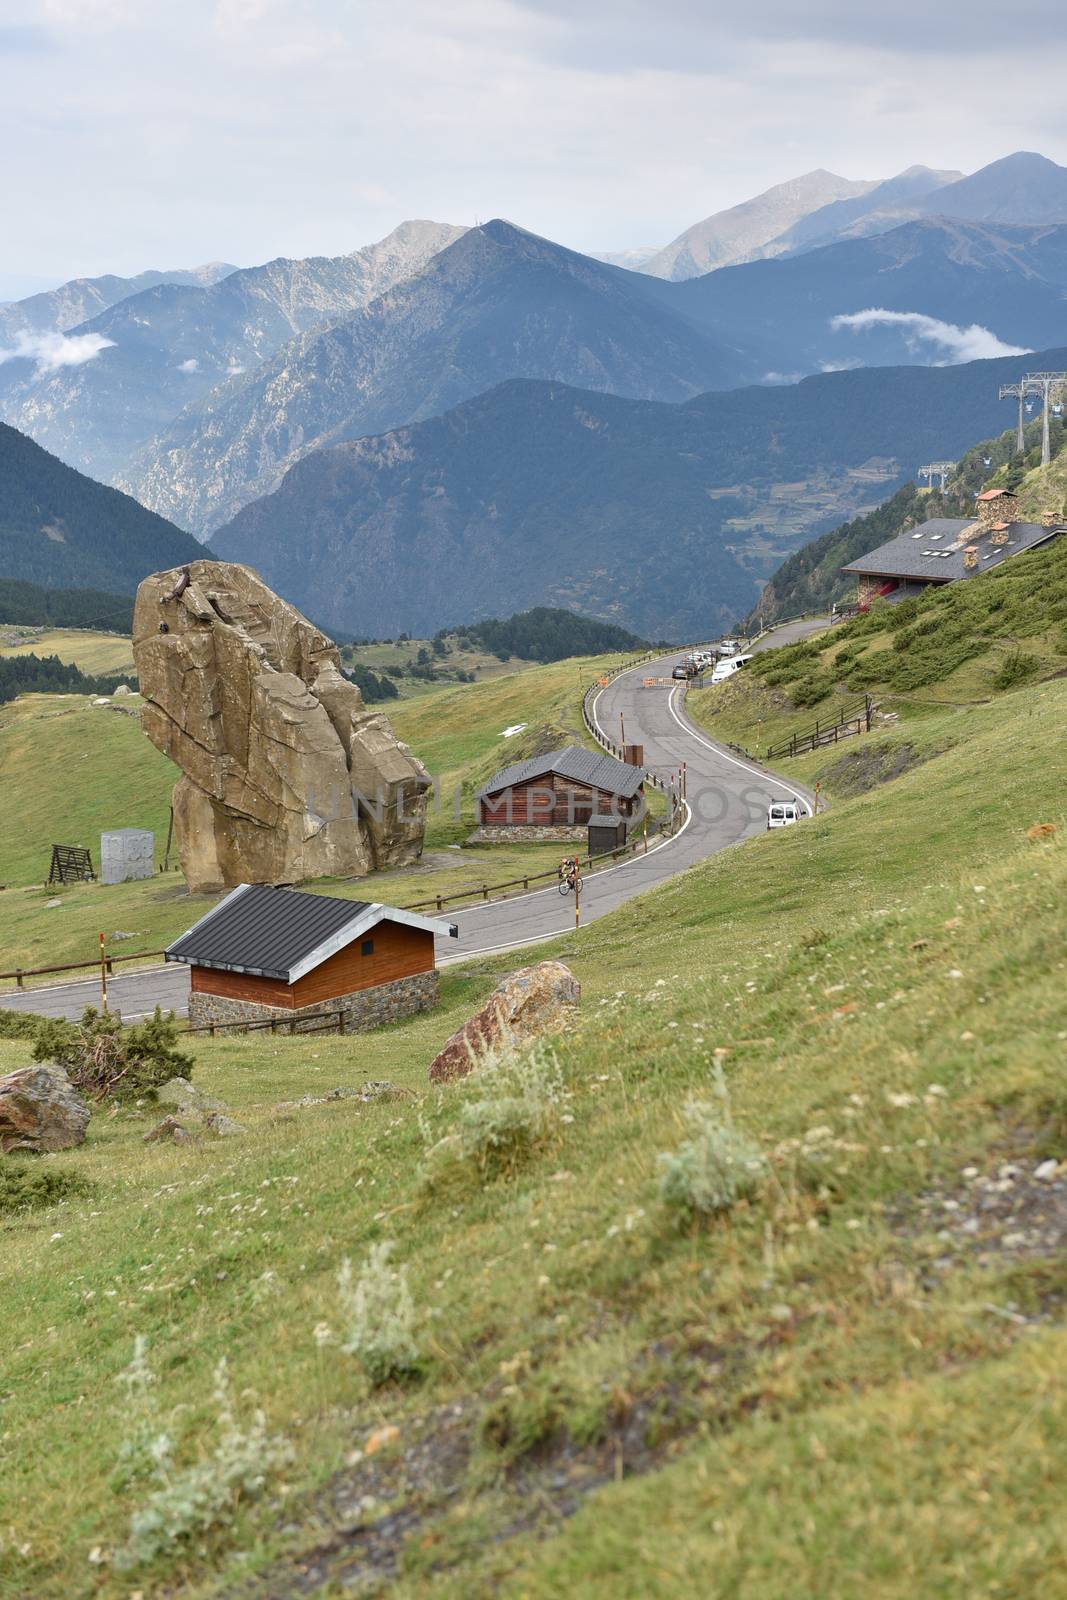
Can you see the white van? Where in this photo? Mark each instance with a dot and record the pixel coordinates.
(780, 813)
(727, 668)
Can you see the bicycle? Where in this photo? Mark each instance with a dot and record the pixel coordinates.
(573, 881)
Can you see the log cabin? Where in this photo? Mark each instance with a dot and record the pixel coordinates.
(561, 790)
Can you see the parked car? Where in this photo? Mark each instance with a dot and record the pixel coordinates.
(727, 668)
(727, 647)
(680, 671)
(780, 813)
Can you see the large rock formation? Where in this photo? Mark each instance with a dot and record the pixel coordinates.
(286, 774)
(524, 1005)
(40, 1110)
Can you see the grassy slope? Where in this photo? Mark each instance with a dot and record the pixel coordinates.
(97, 654)
(807, 1355)
(71, 770)
(956, 641)
(462, 657)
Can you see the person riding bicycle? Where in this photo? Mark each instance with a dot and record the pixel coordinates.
(568, 871)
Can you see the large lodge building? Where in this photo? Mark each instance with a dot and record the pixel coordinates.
(948, 549)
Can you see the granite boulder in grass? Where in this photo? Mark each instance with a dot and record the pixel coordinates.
(525, 1005)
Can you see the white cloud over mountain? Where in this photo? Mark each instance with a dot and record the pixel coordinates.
(973, 343)
(54, 350)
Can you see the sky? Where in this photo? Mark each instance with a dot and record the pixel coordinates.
(165, 133)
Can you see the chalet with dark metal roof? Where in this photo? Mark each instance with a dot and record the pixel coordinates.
(561, 790)
(949, 549)
(265, 954)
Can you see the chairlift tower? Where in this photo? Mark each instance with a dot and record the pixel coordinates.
(1018, 391)
(1046, 384)
(936, 469)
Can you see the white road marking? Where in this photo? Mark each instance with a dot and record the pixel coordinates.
(755, 772)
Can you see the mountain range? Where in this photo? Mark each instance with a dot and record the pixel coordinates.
(198, 398)
(56, 310)
(821, 208)
(502, 303)
(662, 517)
(168, 345)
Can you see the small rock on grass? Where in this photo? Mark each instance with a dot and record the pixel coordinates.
(169, 1131)
(223, 1127)
(186, 1097)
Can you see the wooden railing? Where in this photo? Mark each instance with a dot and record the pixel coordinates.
(850, 720)
(19, 973)
(333, 1021)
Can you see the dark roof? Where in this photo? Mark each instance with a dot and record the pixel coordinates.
(935, 550)
(606, 819)
(281, 933)
(599, 771)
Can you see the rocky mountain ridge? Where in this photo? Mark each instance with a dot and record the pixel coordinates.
(171, 344)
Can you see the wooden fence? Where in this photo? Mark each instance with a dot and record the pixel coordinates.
(332, 1021)
(852, 719)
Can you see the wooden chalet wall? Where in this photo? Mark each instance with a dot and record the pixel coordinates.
(550, 801)
(399, 952)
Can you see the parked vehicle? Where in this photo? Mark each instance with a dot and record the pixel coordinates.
(780, 813)
(727, 668)
(680, 672)
(727, 647)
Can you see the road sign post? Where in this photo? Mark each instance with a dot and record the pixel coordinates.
(103, 976)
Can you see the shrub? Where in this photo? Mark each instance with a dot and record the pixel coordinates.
(518, 1107)
(26, 1187)
(380, 1316)
(192, 1499)
(19, 1024)
(104, 1060)
(713, 1168)
(1014, 669)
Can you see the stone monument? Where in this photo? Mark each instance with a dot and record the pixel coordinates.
(285, 773)
(127, 853)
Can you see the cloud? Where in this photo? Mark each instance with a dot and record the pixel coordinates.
(781, 377)
(233, 369)
(51, 351)
(192, 365)
(973, 343)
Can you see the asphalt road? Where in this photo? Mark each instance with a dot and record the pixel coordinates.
(727, 797)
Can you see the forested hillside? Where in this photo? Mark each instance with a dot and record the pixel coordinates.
(62, 530)
(64, 608)
(549, 633)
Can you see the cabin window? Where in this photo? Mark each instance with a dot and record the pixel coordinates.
(367, 947)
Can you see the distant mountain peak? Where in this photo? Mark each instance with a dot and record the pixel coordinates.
(742, 232)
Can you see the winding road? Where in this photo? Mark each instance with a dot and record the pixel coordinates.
(727, 802)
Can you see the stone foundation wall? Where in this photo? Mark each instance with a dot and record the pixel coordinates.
(364, 1009)
(527, 833)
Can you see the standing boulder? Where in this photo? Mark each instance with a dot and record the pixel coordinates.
(527, 1003)
(41, 1110)
(286, 774)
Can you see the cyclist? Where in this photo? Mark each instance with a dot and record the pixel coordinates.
(568, 871)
